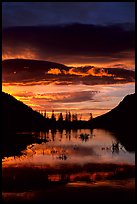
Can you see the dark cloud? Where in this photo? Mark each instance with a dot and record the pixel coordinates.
(69, 41)
(49, 13)
(32, 72)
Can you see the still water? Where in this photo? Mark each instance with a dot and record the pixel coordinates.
(83, 164)
(60, 148)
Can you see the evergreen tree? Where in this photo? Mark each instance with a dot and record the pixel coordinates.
(66, 117)
(91, 117)
(69, 116)
(60, 118)
(53, 118)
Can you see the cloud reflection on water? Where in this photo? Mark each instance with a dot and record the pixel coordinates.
(67, 148)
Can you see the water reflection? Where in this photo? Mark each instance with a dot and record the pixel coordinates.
(68, 133)
(72, 146)
(84, 137)
(76, 158)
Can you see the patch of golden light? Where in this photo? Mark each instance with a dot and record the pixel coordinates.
(102, 72)
(54, 71)
(78, 73)
(7, 88)
(75, 71)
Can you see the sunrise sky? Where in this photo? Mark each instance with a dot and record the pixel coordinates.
(88, 38)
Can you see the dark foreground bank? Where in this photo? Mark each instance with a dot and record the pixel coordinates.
(101, 192)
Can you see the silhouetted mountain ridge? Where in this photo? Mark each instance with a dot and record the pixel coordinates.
(121, 119)
(16, 116)
(121, 115)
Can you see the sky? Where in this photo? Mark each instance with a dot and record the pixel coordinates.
(75, 33)
(51, 13)
(98, 35)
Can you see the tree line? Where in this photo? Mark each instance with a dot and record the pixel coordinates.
(69, 117)
(67, 121)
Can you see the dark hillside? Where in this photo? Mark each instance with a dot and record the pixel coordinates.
(121, 119)
(16, 116)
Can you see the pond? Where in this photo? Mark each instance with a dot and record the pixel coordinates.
(74, 146)
(74, 158)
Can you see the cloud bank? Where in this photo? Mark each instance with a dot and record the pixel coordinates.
(71, 43)
(33, 72)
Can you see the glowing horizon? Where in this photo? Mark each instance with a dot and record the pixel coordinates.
(80, 99)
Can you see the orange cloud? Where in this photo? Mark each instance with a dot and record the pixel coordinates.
(54, 71)
(26, 53)
(76, 71)
(99, 72)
